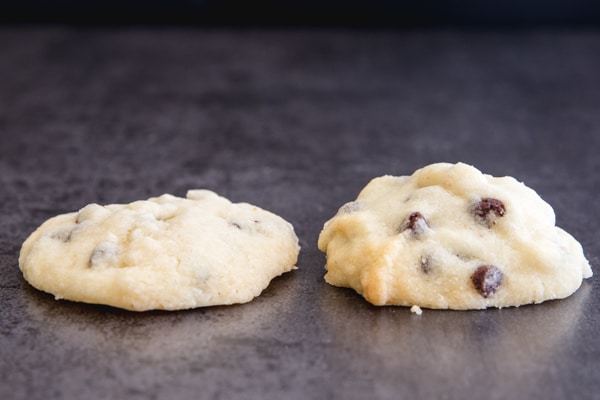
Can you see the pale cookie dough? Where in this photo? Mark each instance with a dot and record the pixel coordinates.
(451, 237)
(165, 253)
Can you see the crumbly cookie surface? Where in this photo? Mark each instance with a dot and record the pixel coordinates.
(449, 236)
(164, 253)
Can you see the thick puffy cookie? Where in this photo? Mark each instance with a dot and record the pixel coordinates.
(451, 237)
(164, 253)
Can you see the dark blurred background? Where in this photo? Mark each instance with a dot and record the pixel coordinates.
(351, 13)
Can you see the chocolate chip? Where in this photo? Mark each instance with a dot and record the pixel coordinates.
(350, 207)
(488, 210)
(91, 211)
(426, 266)
(487, 279)
(63, 236)
(416, 223)
(103, 255)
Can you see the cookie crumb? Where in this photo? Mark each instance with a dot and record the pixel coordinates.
(416, 310)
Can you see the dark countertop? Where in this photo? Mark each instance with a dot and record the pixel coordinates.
(297, 122)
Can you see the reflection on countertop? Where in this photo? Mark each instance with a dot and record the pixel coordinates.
(441, 352)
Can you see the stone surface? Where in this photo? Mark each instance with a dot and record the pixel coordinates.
(297, 122)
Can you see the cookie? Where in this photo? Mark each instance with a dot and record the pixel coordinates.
(165, 253)
(451, 237)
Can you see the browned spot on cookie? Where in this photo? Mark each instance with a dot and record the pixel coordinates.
(487, 279)
(416, 223)
(488, 210)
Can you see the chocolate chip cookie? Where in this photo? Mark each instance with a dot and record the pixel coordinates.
(452, 237)
(164, 253)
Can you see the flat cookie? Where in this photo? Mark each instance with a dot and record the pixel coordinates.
(451, 237)
(165, 253)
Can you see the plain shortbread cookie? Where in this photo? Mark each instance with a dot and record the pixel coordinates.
(164, 253)
(451, 237)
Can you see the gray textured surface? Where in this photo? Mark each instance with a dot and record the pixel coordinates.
(296, 122)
